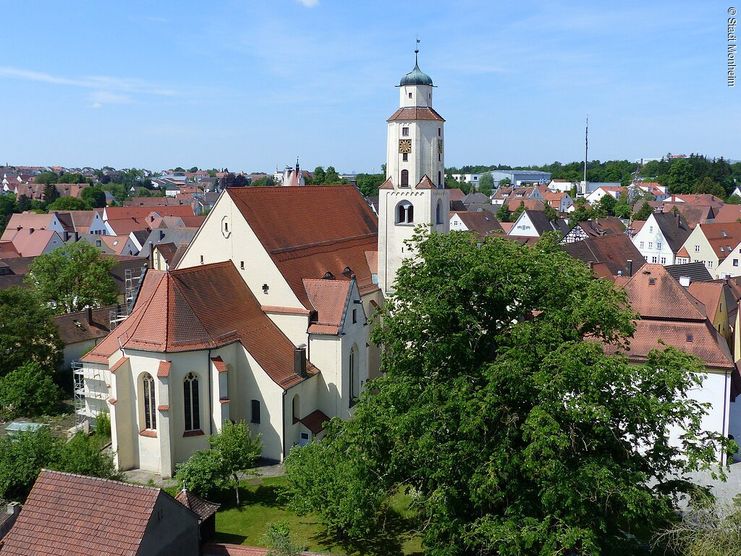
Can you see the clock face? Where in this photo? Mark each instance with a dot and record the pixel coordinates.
(405, 146)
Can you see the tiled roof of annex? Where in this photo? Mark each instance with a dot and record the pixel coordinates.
(197, 308)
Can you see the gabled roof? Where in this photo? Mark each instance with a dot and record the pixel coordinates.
(26, 220)
(31, 243)
(67, 513)
(77, 327)
(425, 183)
(330, 299)
(309, 231)
(202, 508)
(514, 203)
(710, 294)
(197, 308)
(654, 293)
(456, 194)
(8, 250)
(674, 228)
(415, 113)
(723, 237)
(602, 226)
(480, 222)
(609, 252)
(728, 213)
(117, 213)
(542, 224)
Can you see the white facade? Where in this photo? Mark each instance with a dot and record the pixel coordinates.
(652, 244)
(730, 267)
(524, 227)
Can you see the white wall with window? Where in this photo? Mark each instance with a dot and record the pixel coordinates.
(652, 244)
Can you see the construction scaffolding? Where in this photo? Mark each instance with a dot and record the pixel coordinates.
(91, 392)
(132, 284)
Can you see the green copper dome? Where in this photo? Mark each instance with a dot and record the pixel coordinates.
(416, 77)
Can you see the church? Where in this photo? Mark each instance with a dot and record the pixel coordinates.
(267, 317)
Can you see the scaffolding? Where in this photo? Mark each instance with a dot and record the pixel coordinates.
(132, 283)
(83, 393)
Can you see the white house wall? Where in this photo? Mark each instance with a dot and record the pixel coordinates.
(647, 240)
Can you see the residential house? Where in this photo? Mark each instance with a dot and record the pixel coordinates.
(80, 331)
(13, 271)
(533, 223)
(482, 223)
(685, 273)
(718, 301)
(29, 242)
(516, 203)
(728, 213)
(176, 236)
(608, 256)
(124, 220)
(711, 244)
(614, 190)
(671, 316)
(597, 227)
(478, 201)
(87, 516)
(662, 236)
(31, 220)
(561, 201)
(562, 185)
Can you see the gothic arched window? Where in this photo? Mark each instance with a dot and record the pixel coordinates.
(405, 213)
(405, 178)
(439, 212)
(353, 375)
(191, 403)
(150, 407)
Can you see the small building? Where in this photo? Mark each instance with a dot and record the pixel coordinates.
(608, 256)
(534, 223)
(482, 223)
(87, 516)
(205, 510)
(661, 238)
(520, 177)
(80, 331)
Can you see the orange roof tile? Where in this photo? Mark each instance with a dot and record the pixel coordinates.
(183, 310)
(330, 299)
(709, 294)
(309, 231)
(723, 237)
(415, 113)
(67, 513)
(654, 293)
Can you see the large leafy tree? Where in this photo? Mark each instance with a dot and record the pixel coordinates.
(28, 391)
(27, 332)
(486, 183)
(73, 277)
(502, 415)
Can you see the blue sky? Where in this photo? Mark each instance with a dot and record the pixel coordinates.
(249, 85)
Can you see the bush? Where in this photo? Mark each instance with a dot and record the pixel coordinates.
(82, 455)
(203, 473)
(279, 542)
(21, 459)
(103, 425)
(28, 391)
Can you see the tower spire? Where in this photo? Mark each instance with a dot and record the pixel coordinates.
(416, 53)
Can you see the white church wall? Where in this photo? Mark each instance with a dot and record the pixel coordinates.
(225, 235)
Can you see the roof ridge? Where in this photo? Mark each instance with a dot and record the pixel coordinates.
(100, 479)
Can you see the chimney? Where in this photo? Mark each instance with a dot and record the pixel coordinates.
(89, 315)
(30, 231)
(685, 281)
(151, 255)
(299, 360)
(14, 508)
(630, 267)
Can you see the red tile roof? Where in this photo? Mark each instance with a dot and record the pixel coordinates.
(314, 421)
(654, 293)
(480, 222)
(71, 514)
(709, 294)
(8, 250)
(31, 243)
(202, 508)
(723, 237)
(330, 299)
(728, 213)
(415, 113)
(309, 231)
(425, 183)
(184, 310)
(76, 327)
(116, 213)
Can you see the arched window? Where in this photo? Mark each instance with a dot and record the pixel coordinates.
(353, 375)
(296, 408)
(405, 213)
(439, 179)
(191, 402)
(439, 212)
(150, 407)
(405, 178)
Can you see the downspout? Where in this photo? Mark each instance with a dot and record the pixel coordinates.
(210, 396)
(283, 424)
(726, 430)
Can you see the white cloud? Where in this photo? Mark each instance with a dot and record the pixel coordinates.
(112, 85)
(100, 98)
(308, 3)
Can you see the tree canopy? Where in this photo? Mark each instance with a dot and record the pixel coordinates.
(73, 277)
(27, 332)
(502, 416)
(486, 183)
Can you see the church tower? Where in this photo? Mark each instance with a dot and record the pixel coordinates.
(414, 191)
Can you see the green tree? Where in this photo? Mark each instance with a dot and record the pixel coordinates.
(7, 207)
(233, 451)
(622, 208)
(503, 213)
(331, 177)
(27, 332)
(21, 459)
(238, 451)
(73, 277)
(708, 185)
(319, 176)
(24, 203)
(368, 184)
(515, 434)
(606, 205)
(582, 211)
(486, 184)
(50, 194)
(82, 455)
(550, 213)
(94, 197)
(28, 391)
(193, 169)
(46, 178)
(68, 203)
(644, 212)
(505, 182)
(264, 181)
(680, 176)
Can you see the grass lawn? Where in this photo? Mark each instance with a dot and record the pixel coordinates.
(261, 505)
